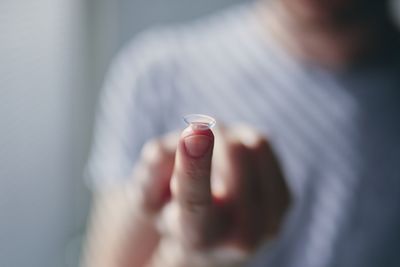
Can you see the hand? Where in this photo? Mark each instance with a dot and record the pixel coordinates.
(187, 214)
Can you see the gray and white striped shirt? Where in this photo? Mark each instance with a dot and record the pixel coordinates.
(336, 134)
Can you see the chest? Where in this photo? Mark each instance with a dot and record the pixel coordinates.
(320, 129)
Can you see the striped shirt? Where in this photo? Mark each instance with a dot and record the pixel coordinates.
(336, 134)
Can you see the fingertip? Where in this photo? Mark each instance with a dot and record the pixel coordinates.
(250, 137)
(190, 130)
(197, 142)
(152, 151)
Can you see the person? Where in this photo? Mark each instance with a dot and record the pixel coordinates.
(303, 170)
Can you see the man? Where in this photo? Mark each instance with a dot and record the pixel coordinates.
(310, 180)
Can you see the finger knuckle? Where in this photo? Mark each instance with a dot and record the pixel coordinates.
(196, 238)
(237, 147)
(194, 173)
(197, 241)
(148, 204)
(261, 143)
(195, 203)
(152, 151)
(170, 140)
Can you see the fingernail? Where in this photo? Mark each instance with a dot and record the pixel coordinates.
(197, 145)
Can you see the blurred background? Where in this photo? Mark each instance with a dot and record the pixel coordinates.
(53, 56)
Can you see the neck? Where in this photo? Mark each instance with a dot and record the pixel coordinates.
(331, 41)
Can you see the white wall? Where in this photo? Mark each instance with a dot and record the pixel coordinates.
(41, 74)
(53, 54)
(115, 22)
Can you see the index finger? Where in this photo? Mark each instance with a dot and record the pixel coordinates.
(191, 182)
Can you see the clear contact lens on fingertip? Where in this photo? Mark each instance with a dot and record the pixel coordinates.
(199, 121)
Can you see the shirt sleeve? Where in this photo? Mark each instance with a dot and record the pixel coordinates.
(130, 112)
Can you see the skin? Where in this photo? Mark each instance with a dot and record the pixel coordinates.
(177, 210)
(174, 216)
(333, 34)
(338, 13)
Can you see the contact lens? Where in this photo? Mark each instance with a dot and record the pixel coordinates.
(199, 121)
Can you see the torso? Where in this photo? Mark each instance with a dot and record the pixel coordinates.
(337, 136)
